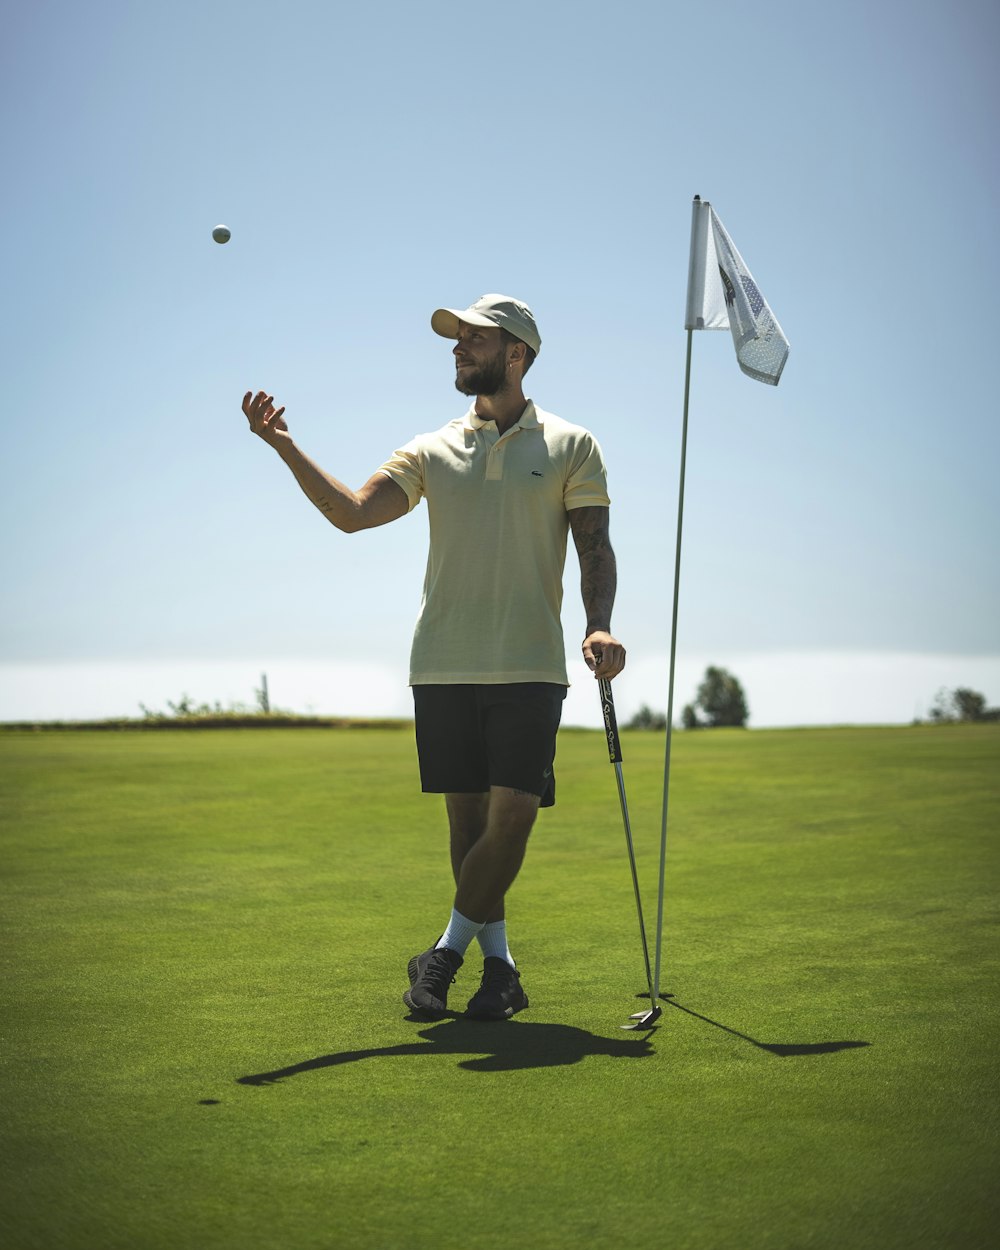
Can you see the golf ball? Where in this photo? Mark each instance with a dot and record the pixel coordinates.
(222, 234)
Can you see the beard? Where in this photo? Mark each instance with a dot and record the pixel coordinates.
(487, 379)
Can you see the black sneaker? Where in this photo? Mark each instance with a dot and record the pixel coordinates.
(499, 994)
(431, 975)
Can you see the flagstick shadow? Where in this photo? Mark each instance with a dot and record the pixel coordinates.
(485, 1047)
(786, 1050)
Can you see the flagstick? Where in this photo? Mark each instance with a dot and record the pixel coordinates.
(670, 696)
(706, 309)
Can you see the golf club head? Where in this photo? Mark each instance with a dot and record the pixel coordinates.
(644, 1019)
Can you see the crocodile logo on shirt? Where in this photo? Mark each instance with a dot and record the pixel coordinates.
(535, 473)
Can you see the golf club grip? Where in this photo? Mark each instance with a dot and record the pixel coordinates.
(610, 721)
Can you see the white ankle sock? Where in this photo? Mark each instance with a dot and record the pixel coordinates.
(493, 940)
(459, 933)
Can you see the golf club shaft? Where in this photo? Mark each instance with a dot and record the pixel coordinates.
(615, 755)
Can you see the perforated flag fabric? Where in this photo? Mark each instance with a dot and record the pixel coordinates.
(722, 292)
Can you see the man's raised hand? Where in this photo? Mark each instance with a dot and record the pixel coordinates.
(266, 421)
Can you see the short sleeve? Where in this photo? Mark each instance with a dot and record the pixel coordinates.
(587, 480)
(406, 468)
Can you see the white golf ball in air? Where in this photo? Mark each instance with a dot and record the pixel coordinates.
(222, 234)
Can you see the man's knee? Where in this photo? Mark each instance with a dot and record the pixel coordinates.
(467, 814)
(467, 818)
(512, 812)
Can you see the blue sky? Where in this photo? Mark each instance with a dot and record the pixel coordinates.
(377, 161)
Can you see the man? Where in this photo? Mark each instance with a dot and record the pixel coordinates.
(503, 485)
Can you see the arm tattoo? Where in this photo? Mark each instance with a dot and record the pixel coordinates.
(598, 573)
(589, 543)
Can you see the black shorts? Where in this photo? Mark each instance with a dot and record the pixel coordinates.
(471, 737)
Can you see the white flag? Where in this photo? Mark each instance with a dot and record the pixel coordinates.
(722, 292)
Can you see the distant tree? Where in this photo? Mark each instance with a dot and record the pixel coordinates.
(720, 700)
(183, 707)
(970, 703)
(646, 718)
(961, 704)
(943, 708)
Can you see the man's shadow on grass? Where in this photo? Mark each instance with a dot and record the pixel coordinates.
(519, 1044)
(492, 1047)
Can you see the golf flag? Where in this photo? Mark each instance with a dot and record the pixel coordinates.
(722, 292)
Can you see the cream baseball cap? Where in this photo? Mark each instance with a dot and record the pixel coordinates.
(490, 310)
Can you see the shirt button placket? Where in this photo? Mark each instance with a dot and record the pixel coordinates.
(494, 465)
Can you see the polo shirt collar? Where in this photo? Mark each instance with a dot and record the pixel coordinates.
(528, 419)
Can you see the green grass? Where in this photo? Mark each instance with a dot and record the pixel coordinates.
(185, 910)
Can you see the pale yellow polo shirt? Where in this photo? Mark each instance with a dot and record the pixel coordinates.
(497, 508)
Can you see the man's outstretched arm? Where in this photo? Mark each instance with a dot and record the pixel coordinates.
(603, 653)
(379, 501)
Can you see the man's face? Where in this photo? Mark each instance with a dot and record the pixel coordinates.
(480, 360)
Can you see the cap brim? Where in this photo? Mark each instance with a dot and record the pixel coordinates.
(445, 321)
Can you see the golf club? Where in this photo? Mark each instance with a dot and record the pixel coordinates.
(641, 1019)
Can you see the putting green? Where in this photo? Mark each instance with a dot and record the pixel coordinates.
(206, 937)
